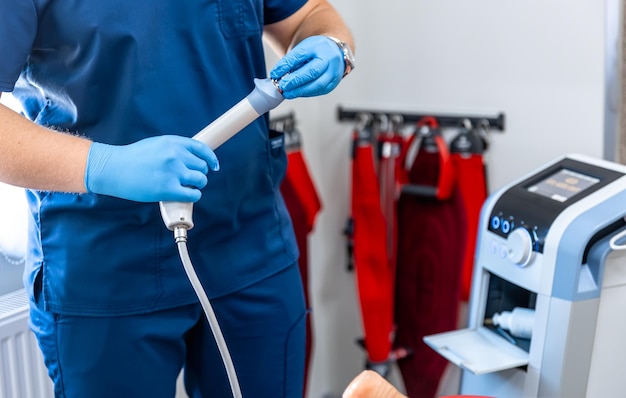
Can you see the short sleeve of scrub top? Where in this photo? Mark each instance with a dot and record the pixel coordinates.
(16, 38)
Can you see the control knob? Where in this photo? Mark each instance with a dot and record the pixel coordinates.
(520, 245)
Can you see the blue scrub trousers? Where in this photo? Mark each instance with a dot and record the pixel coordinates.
(141, 355)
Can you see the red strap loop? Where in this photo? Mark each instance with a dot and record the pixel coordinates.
(446, 176)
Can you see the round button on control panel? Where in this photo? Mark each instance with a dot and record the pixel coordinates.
(495, 222)
(506, 226)
(520, 245)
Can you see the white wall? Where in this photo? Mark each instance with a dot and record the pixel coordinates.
(540, 62)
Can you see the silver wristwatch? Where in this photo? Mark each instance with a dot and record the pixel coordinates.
(348, 56)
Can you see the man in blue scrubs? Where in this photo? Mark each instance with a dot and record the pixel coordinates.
(111, 92)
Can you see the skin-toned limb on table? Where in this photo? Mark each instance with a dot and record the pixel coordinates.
(369, 384)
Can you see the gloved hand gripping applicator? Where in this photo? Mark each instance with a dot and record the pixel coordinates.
(178, 215)
(262, 99)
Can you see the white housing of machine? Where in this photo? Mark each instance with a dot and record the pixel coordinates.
(544, 253)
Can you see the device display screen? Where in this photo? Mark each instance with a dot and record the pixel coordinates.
(563, 184)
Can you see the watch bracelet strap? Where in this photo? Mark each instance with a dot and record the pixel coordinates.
(348, 66)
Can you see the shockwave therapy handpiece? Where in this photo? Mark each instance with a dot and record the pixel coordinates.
(265, 97)
(178, 215)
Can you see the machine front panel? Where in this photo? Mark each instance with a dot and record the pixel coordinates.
(493, 256)
(536, 202)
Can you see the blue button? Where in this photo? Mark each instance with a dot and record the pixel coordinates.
(506, 226)
(495, 222)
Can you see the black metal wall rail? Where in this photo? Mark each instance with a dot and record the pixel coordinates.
(494, 122)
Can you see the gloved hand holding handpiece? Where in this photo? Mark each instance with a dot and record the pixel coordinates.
(159, 168)
(315, 66)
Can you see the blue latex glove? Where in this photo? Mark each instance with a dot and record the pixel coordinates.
(313, 67)
(163, 168)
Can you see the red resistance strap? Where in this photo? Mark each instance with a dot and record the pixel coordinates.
(298, 176)
(472, 183)
(303, 205)
(431, 240)
(390, 174)
(371, 258)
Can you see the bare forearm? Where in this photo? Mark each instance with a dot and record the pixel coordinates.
(323, 19)
(35, 157)
(316, 17)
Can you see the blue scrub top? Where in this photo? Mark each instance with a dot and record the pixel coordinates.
(119, 71)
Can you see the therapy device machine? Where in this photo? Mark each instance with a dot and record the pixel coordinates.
(547, 314)
(178, 216)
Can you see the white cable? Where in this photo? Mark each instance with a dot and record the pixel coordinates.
(12, 260)
(613, 241)
(181, 242)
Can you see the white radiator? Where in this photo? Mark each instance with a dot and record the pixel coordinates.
(22, 372)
